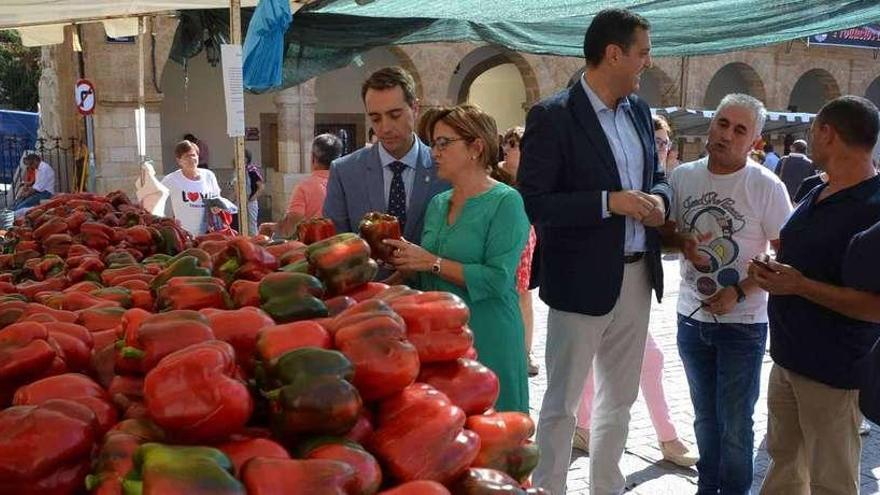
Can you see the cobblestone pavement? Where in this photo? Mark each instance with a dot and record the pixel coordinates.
(646, 472)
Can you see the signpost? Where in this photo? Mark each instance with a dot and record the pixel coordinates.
(238, 150)
(84, 96)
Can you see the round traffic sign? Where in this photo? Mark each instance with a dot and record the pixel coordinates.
(84, 96)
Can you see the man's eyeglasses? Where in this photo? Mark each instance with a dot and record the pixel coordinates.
(661, 143)
(441, 143)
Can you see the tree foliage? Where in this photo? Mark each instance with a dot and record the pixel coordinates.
(19, 73)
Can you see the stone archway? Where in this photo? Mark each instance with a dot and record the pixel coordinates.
(501, 81)
(485, 58)
(812, 90)
(407, 63)
(736, 77)
(873, 91)
(657, 88)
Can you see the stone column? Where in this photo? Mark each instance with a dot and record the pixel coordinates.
(296, 129)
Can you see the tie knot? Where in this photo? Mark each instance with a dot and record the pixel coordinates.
(397, 167)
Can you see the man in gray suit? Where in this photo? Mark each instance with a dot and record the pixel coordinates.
(795, 167)
(397, 175)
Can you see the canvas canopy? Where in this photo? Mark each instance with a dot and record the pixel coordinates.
(329, 34)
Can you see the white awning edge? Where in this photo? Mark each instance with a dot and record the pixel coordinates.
(120, 28)
(47, 34)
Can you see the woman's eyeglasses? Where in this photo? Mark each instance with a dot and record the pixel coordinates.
(441, 143)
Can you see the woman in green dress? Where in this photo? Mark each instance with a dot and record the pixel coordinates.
(473, 237)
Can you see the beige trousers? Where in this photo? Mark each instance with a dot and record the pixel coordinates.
(812, 437)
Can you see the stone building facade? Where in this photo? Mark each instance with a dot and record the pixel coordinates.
(789, 76)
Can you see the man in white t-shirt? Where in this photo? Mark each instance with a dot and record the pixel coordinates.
(189, 187)
(43, 186)
(726, 211)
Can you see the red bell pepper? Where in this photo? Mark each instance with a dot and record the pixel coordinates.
(245, 293)
(368, 474)
(338, 304)
(58, 244)
(119, 295)
(269, 476)
(314, 230)
(363, 311)
(282, 248)
(144, 345)
(420, 436)
(110, 275)
(11, 311)
(421, 487)
(83, 286)
(362, 430)
(385, 362)
(24, 351)
(242, 450)
(479, 481)
(75, 301)
(275, 341)
(468, 384)
(45, 448)
(245, 260)
(74, 387)
(367, 291)
(504, 443)
(436, 323)
(30, 288)
(125, 390)
(176, 470)
(56, 314)
(75, 342)
(193, 293)
(54, 225)
(96, 235)
(89, 269)
(101, 318)
(375, 227)
(202, 376)
(239, 328)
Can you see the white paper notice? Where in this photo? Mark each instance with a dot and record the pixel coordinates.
(233, 88)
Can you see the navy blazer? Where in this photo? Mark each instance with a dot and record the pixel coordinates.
(357, 186)
(565, 165)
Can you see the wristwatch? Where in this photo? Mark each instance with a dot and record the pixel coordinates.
(435, 268)
(740, 294)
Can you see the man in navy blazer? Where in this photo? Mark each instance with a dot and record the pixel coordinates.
(594, 190)
(396, 175)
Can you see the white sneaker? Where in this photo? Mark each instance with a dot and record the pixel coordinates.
(864, 428)
(532, 367)
(581, 439)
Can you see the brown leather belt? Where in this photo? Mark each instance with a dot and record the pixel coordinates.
(632, 258)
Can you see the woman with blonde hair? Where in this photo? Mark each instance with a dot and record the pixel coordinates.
(471, 244)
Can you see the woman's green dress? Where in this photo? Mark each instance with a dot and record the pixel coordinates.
(487, 238)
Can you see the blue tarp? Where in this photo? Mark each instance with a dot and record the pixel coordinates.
(264, 45)
(21, 124)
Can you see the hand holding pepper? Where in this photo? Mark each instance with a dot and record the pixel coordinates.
(409, 257)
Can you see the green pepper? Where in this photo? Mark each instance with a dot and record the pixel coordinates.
(292, 296)
(202, 255)
(117, 259)
(244, 260)
(315, 394)
(157, 259)
(301, 266)
(186, 266)
(171, 470)
(342, 262)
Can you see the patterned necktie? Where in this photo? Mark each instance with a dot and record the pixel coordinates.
(397, 195)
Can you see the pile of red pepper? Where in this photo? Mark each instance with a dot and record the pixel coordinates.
(137, 360)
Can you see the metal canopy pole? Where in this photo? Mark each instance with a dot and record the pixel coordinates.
(238, 153)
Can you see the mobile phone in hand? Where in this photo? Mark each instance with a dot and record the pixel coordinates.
(761, 260)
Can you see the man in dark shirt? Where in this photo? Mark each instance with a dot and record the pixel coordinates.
(816, 343)
(795, 167)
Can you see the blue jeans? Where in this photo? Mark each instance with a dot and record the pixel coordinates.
(722, 362)
(32, 200)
